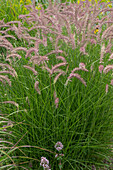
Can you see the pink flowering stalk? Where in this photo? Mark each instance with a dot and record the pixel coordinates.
(55, 69)
(108, 68)
(59, 146)
(101, 67)
(58, 75)
(77, 76)
(36, 87)
(56, 102)
(72, 74)
(102, 53)
(56, 99)
(110, 57)
(32, 69)
(107, 88)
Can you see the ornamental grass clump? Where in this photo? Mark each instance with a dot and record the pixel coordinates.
(58, 87)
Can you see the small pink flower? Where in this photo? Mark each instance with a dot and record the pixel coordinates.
(101, 67)
(111, 82)
(58, 146)
(106, 88)
(44, 161)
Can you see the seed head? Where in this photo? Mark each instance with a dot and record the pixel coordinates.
(106, 88)
(101, 67)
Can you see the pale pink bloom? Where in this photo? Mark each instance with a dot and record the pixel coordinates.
(46, 167)
(77, 76)
(19, 49)
(57, 100)
(62, 58)
(108, 68)
(44, 161)
(111, 82)
(31, 68)
(36, 87)
(55, 51)
(111, 57)
(106, 88)
(101, 67)
(2, 78)
(32, 49)
(102, 53)
(58, 146)
(82, 65)
(56, 155)
(14, 55)
(58, 65)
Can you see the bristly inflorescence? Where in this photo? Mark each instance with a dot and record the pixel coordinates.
(51, 22)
